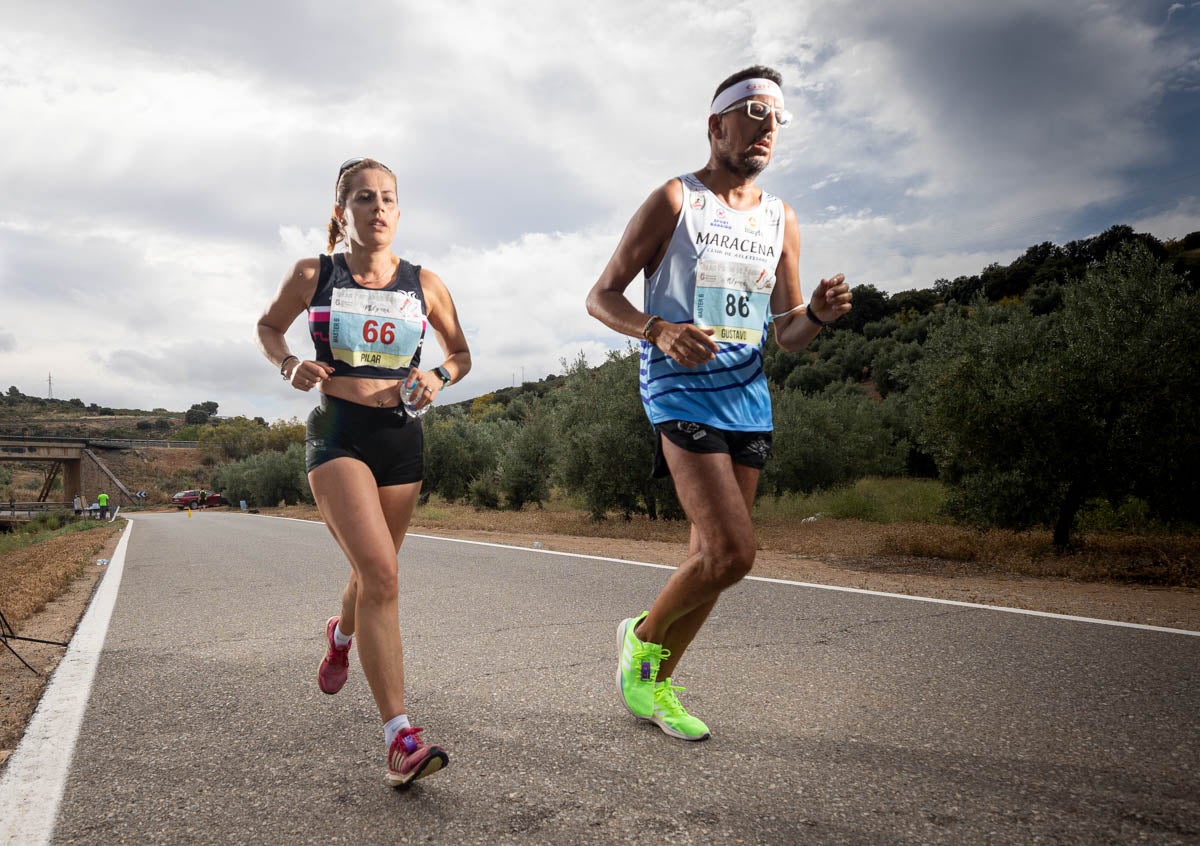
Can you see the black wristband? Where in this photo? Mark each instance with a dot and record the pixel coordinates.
(811, 315)
(283, 365)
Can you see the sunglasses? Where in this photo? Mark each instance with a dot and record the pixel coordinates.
(758, 110)
(349, 163)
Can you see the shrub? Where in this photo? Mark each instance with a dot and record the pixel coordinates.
(484, 494)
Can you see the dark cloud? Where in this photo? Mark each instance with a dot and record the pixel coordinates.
(76, 280)
(185, 136)
(497, 189)
(201, 364)
(1008, 121)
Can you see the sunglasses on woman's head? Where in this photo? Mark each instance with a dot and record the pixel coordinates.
(349, 163)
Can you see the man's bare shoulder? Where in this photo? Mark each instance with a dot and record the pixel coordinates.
(662, 207)
(670, 194)
(789, 215)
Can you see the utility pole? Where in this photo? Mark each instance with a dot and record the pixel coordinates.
(50, 385)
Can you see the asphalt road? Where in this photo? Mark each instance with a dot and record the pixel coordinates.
(837, 718)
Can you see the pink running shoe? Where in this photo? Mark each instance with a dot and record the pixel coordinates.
(410, 759)
(331, 675)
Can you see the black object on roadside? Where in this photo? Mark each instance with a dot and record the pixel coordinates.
(7, 634)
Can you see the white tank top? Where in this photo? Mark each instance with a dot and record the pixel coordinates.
(718, 273)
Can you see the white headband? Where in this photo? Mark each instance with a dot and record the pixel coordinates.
(742, 90)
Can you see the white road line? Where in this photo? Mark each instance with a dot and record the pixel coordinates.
(842, 589)
(32, 786)
(1025, 611)
(33, 782)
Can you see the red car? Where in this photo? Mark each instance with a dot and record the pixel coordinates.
(191, 499)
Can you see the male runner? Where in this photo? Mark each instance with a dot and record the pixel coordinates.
(721, 261)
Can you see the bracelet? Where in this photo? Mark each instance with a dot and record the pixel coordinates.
(283, 365)
(791, 310)
(811, 315)
(654, 318)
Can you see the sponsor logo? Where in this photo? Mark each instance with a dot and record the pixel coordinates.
(698, 202)
(746, 246)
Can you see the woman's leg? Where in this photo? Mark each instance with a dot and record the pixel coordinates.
(368, 523)
(398, 506)
(350, 593)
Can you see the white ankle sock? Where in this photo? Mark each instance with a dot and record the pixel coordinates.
(340, 639)
(393, 727)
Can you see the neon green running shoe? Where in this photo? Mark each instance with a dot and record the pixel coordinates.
(637, 667)
(672, 717)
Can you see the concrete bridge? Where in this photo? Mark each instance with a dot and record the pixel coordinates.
(83, 472)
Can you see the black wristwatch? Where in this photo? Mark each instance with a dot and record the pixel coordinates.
(443, 374)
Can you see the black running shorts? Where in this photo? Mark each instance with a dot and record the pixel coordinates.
(749, 448)
(387, 440)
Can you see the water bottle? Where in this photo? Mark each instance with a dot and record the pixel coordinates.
(410, 394)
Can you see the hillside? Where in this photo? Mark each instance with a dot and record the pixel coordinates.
(39, 416)
(160, 472)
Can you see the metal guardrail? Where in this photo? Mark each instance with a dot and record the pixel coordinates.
(119, 442)
(132, 443)
(42, 438)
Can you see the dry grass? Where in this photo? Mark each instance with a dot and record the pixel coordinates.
(918, 548)
(1172, 560)
(44, 590)
(34, 575)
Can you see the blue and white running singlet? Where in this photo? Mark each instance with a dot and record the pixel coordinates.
(718, 272)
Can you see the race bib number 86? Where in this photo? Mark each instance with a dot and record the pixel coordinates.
(732, 299)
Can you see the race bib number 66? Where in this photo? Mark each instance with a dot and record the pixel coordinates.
(375, 328)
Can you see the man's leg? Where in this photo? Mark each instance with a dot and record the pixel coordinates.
(716, 495)
(683, 631)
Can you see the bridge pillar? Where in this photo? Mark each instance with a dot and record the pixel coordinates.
(72, 478)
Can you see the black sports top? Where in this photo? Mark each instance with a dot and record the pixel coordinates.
(373, 333)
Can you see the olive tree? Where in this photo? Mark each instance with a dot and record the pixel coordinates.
(604, 444)
(1029, 417)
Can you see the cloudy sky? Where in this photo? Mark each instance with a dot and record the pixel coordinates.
(165, 163)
